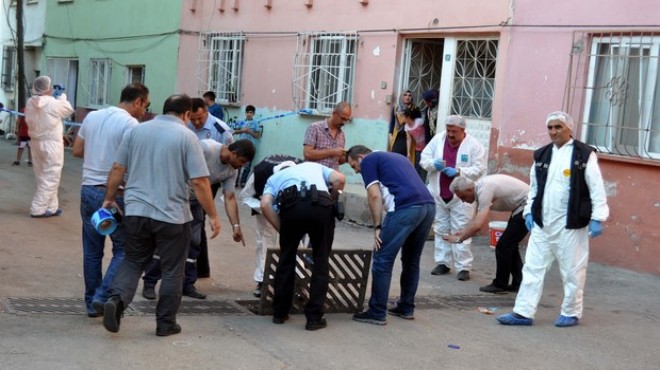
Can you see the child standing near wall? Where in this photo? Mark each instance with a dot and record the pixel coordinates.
(247, 129)
(23, 140)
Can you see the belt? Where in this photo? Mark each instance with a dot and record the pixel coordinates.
(103, 186)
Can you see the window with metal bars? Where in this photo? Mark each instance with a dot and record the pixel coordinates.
(474, 78)
(136, 74)
(220, 65)
(621, 114)
(324, 70)
(8, 63)
(99, 81)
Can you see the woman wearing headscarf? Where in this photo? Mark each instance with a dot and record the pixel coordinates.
(43, 115)
(397, 138)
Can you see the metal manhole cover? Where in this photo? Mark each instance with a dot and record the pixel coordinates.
(195, 308)
(46, 305)
(464, 302)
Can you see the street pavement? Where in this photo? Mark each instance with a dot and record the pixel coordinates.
(42, 258)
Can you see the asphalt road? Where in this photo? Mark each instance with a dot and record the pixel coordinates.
(41, 259)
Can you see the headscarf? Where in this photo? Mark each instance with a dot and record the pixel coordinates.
(401, 106)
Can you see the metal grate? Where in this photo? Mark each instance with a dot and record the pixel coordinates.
(613, 83)
(206, 307)
(349, 271)
(220, 65)
(324, 69)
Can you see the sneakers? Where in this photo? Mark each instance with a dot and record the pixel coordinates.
(193, 293)
(257, 291)
(440, 269)
(316, 325)
(166, 330)
(48, 214)
(149, 292)
(16, 163)
(112, 313)
(280, 320)
(492, 288)
(397, 311)
(566, 321)
(366, 318)
(514, 319)
(463, 275)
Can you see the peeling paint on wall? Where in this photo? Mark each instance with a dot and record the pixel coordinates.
(376, 51)
(509, 167)
(610, 189)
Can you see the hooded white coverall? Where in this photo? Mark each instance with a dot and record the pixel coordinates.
(44, 114)
(455, 215)
(570, 247)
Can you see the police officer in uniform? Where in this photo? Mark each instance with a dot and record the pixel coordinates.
(304, 195)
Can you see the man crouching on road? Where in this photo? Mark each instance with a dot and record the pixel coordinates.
(306, 206)
(393, 186)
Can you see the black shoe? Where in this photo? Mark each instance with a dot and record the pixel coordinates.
(492, 288)
(316, 325)
(463, 275)
(440, 270)
(112, 312)
(396, 311)
(280, 320)
(365, 317)
(98, 307)
(513, 288)
(149, 292)
(257, 291)
(193, 293)
(165, 330)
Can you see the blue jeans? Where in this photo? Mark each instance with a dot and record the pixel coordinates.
(97, 286)
(406, 230)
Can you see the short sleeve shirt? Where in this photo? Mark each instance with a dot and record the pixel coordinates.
(309, 172)
(399, 182)
(501, 193)
(318, 137)
(161, 157)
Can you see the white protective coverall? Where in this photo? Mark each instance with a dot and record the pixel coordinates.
(43, 115)
(569, 247)
(455, 215)
(265, 233)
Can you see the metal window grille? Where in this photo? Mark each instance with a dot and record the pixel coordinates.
(8, 63)
(136, 74)
(422, 67)
(474, 78)
(99, 81)
(617, 75)
(220, 65)
(324, 70)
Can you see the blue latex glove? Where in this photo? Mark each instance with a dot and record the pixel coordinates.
(595, 228)
(450, 171)
(439, 164)
(529, 221)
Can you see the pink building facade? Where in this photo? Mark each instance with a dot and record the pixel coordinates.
(502, 64)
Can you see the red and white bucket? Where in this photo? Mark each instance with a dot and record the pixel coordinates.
(496, 230)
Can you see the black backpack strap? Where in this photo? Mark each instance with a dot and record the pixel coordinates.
(219, 128)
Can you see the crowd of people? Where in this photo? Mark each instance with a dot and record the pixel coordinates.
(431, 181)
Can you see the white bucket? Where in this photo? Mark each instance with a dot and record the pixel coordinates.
(496, 230)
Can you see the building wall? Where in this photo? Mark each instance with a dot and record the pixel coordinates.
(123, 31)
(271, 47)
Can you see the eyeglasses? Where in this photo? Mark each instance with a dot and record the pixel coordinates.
(556, 127)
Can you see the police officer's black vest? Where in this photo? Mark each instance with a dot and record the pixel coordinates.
(579, 199)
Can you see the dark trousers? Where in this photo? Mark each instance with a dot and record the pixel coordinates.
(203, 266)
(143, 236)
(507, 255)
(153, 271)
(243, 173)
(316, 220)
